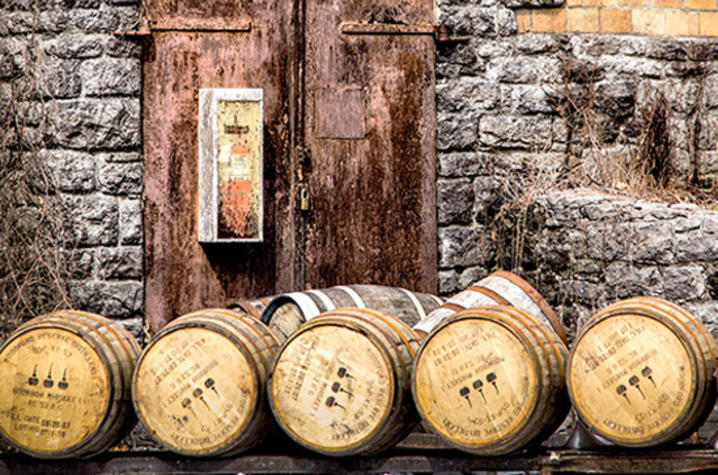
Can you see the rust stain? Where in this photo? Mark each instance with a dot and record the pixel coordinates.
(181, 275)
(373, 218)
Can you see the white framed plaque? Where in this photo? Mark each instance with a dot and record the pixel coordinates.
(231, 162)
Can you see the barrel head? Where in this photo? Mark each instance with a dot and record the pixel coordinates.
(632, 379)
(195, 390)
(55, 391)
(475, 383)
(331, 389)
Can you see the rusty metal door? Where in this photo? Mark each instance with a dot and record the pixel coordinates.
(349, 124)
(194, 44)
(370, 128)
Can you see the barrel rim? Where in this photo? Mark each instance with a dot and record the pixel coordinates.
(355, 448)
(538, 299)
(77, 449)
(670, 432)
(254, 404)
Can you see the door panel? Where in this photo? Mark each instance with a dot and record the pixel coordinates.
(348, 115)
(182, 275)
(370, 137)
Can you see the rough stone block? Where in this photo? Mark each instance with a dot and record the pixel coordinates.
(80, 262)
(73, 171)
(121, 263)
(123, 48)
(455, 198)
(466, 95)
(683, 283)
(533, 3)
(119, 300)
(530, 99)
(455, 132)
(62, 79)
(74, 46)
(515, 131)
(120, 178)
(470, 20)
(97, 124)
(463, 246)
(487, 199)
(507, 21)
(539, 43)
(130, 221)
(448, 282)
(92, 220)
(460, 164)
(111, 77)
(627, 280)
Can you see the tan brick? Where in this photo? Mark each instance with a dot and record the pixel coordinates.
(549, 20)
(701, 4)
(595, 3)
(649, 22)
(575, 3)
(633, 3)
(614, 20)
(708, 23)
(681, 23)
(523, 20)
(667, 3)
(582, 19)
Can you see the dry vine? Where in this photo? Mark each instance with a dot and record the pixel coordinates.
(33, 257)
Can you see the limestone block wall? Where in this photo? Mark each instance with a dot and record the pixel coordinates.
(89, 134)
(499, 125)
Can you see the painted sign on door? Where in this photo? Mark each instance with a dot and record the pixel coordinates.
(230, 148)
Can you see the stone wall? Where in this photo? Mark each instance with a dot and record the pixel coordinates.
(91, 82)
(500, 125)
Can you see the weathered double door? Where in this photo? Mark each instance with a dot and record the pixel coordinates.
(349, 173)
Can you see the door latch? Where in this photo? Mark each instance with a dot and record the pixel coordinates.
(304, 199)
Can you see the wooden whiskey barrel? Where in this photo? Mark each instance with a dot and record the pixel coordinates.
(285, 313)
(252, 307)
(489, 380)
(498, 288)
(66, 385)
(340, 384)
(641, 372)
(199, 385)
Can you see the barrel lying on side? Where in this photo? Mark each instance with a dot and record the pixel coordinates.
(285, 313)
(498, 288)
(253, 307)
(199, 386)
(641, 372)
(340, 384)
(489, 380)
(66, 385)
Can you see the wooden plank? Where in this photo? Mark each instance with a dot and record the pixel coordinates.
(356, 28)
(373, 216)
(181, 275)
(558, 461)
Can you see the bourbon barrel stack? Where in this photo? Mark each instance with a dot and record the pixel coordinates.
(642, 372)
(66, 385)
(489, 380)
(199, 386)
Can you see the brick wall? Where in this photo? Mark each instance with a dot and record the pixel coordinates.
(639, 17)
(91, 139)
